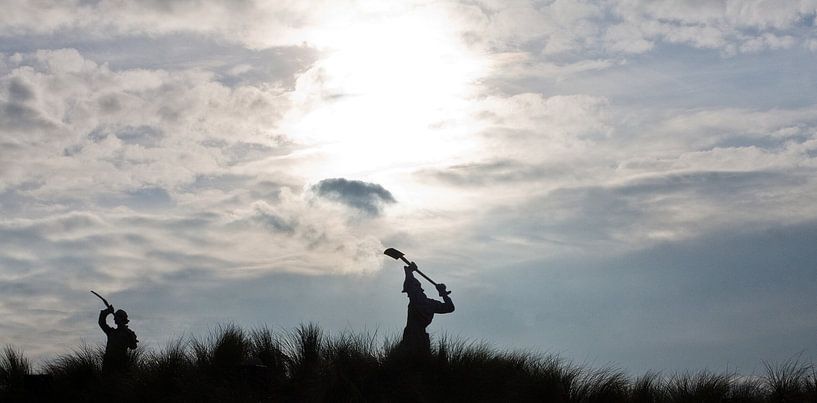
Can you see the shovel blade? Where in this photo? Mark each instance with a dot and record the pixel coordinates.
(393, 253)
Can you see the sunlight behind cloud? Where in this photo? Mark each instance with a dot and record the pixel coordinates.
(391, 92)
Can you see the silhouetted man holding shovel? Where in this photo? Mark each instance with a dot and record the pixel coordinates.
(120, 339)
(421, 310)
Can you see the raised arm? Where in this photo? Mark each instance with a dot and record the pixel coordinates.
(103, 319)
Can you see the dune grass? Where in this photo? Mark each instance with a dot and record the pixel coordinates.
(231, 364)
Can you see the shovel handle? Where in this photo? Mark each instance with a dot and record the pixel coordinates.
(104, 301)
(419, 272)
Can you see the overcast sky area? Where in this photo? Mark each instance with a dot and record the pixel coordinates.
(627, 183)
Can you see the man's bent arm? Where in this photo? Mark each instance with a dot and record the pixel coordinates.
(447, 306)
(103, 323)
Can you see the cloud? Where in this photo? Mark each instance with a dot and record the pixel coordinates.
(136, 125)
(253, 23)
(137, 199)
(571, 30)
(532, 128)
(486, 173)
(729, 26)
(145, 136)
(557, 28)
(366, 197)
(642, 212)
(160, 162)
(565, 173)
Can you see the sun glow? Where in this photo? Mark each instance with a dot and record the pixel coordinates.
(391, 93)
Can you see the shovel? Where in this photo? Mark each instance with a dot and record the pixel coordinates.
(396, 254)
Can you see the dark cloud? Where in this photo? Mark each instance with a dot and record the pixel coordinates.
(19, 91)
(364, 196)
(16, 111)
(109, 103)
(19, 116)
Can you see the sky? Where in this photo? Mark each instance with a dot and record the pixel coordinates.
(621, 183)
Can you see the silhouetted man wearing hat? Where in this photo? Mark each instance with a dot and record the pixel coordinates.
(421, 310)
(119, 341)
